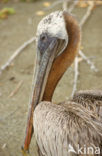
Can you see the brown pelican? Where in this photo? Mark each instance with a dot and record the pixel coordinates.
(69, 128)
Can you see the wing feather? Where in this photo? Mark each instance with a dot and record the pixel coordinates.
(91, 99)
(69, 123)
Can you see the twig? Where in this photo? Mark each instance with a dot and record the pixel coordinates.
(76, 64)
(84, 19)
(16, 89)
(16, 53)
(5, 149)
(92, 66)
(88, 13)
(73, 6)
(64, 6)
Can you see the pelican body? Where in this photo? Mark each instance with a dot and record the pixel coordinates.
(72, 127)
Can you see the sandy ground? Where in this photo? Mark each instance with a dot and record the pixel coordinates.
(13, 32)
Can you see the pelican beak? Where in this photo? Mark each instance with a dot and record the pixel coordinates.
(45, 57)
(43, 66)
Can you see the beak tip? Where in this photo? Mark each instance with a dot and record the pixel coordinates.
(24, 152)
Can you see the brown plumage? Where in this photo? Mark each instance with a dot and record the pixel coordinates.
(62, 62)
(61, 129)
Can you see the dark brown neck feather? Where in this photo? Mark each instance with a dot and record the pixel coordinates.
(64, 60)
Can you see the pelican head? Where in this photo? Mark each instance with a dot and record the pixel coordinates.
(52, 39)
(52, 26)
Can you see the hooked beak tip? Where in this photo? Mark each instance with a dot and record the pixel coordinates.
(24, 152)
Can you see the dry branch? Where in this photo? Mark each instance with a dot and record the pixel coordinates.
(73, 6)
(82, 22)
(64, 5)
(16, 89)
(92, 66)
(88, 13)
(16, 53)
(76, 64)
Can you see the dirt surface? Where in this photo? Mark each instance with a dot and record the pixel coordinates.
(16, 30)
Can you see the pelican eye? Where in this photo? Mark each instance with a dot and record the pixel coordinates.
(43, 38)
(44, 42)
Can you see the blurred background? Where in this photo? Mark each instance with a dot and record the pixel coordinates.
(18, 23)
